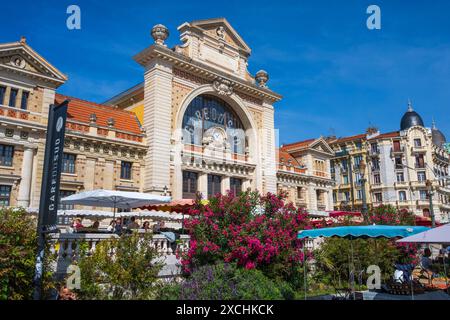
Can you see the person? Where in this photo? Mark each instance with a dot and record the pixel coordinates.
(66, 294)
(112, 226)
(95, 225)
(118, 229)
(425, 264)
(158, 226)
(77, 225)
(133, 224)
(146, 226)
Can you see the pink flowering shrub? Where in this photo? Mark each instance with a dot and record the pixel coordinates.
(253, 231)
(389, 215)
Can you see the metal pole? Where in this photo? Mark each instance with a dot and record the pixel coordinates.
(39, 268)
(364, 200)
(304, 266)
(433, 222)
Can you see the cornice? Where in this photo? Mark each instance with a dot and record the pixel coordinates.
(202, 70)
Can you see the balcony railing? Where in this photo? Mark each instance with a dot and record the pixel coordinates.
(66, 248)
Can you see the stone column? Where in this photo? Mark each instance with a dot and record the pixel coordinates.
(203, 184)
(225, 184)
(268, 150)
(312, 197)
(23, 198)
(157, 123)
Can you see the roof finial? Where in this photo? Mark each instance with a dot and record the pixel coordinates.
(433, 125)
(23, 39)
(410, 108)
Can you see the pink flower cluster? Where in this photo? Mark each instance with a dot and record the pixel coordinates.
(248, 229)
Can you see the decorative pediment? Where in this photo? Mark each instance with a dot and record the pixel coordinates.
(18, 57)
(220, 30)
(321, 145)
(214, 42)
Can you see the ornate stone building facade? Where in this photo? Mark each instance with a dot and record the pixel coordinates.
(403, 168)
(304, 174)
(209, 122)
(199, 122)
(104, 146)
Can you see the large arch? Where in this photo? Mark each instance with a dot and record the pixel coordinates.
(251, 131)
(238, 106)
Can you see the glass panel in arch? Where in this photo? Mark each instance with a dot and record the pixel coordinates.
(205, 112)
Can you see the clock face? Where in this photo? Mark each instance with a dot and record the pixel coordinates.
(217, 136)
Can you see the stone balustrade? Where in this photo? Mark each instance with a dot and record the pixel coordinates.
(66, 248)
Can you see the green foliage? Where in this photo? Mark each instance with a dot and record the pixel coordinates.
(18, 245)
(227, 282)
(334, 258)
(124, 268)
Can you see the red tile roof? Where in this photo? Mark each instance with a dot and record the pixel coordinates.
(387, 135)
(299, 144)
(283, 158)
(350, 138)
(80, 110)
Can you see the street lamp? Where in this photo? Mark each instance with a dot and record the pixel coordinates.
(362, 170)
(429, 185)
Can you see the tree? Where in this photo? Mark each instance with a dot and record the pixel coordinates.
(123, 268)
(18, 249)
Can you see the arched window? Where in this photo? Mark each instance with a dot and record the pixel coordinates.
(205, 113)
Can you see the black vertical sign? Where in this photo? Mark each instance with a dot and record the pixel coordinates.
(48, 205)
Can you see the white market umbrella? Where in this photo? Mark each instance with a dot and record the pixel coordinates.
(114, 199)
(439, 235)
(156, 215)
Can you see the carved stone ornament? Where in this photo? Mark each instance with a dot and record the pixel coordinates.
(220, 31)
(223, 87)
(17, 61)
(160, 33)
(261, 78)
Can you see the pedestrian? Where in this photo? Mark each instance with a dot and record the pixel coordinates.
(146, 226)
(66, 294)
(112, 226)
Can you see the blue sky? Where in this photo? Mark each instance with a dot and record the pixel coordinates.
(336, 76)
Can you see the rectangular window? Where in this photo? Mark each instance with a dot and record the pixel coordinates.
(189, 184)
(397, 146)
(358, 145)
(300, 194)
(345, 179)
(6, 155)
(417, 143)
(423, 194)
(214, 185)
(68, 163)
(398, 163)
(358, 194)
(376, 179)
(125, 170)
(402, 196)
(12, 97)
(357, 160)
(400, 177)
(2, 94)
(334, 197)
(344, 164)
(63, 194)
(347, 196)
(236, 185)
(378, 197)
(374, 147)
(24, 100)
(64, 219)
(5, 195)
(420, 162)
(375, 164)
(358, 178)
(421, 176)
